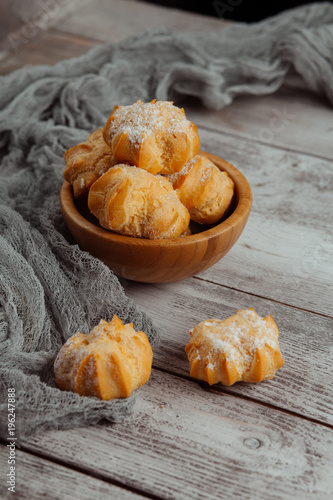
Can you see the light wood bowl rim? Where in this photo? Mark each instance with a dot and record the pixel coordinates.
(242, 209)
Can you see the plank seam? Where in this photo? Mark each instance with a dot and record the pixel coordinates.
(254, 141)
(54, 31)
(263, 297)
(218, 390)
(82, 470)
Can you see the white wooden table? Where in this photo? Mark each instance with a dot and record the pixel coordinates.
(186, 440)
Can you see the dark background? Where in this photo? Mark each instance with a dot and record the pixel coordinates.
(238, 10)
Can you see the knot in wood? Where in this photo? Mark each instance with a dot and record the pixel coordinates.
(252, 443)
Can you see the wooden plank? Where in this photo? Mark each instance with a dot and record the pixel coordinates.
(31, 40)
(43, 14)
(296, 271)
(285, 252)
(294, 119)
(187, 441)
(114, 20)
(25, 22)
(9, 20)
(303, 385)
(37, 479)
(62, 36)
(46, 48)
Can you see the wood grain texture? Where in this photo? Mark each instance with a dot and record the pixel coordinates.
(26, 23)
(46, 48)
(184, 441)
(302, 386)
(9, 20)
(295, 119)
(37, 479)
(285, 252)
(296, 271)
(160, 260)
(115, 20)
(46, 34)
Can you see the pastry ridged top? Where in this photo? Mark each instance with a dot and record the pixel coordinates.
(155, 136)
(243, 347)
(204, 189)
(110, 362)
(86, 162)
(133, 202)
(142, 119)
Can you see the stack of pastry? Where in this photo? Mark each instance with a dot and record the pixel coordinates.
(143, 176)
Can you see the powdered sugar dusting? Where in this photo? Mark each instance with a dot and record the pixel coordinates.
(206, 174)
(173, 178)
(76, 366)
(139, 120)
(235, 341)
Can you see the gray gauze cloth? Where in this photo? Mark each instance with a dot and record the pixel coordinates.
(49, 288)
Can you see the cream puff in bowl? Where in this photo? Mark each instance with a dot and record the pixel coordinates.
(161, 260)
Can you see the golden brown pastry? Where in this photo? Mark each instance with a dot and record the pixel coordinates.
(155, 136)
(133, 202)
(110, 362)
(244, 347)
(204, 190)
(86, 162)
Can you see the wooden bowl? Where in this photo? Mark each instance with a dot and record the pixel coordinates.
(160, 261)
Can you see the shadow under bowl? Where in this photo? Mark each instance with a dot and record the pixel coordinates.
(162, 260)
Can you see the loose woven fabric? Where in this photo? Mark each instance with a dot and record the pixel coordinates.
(49, 288)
